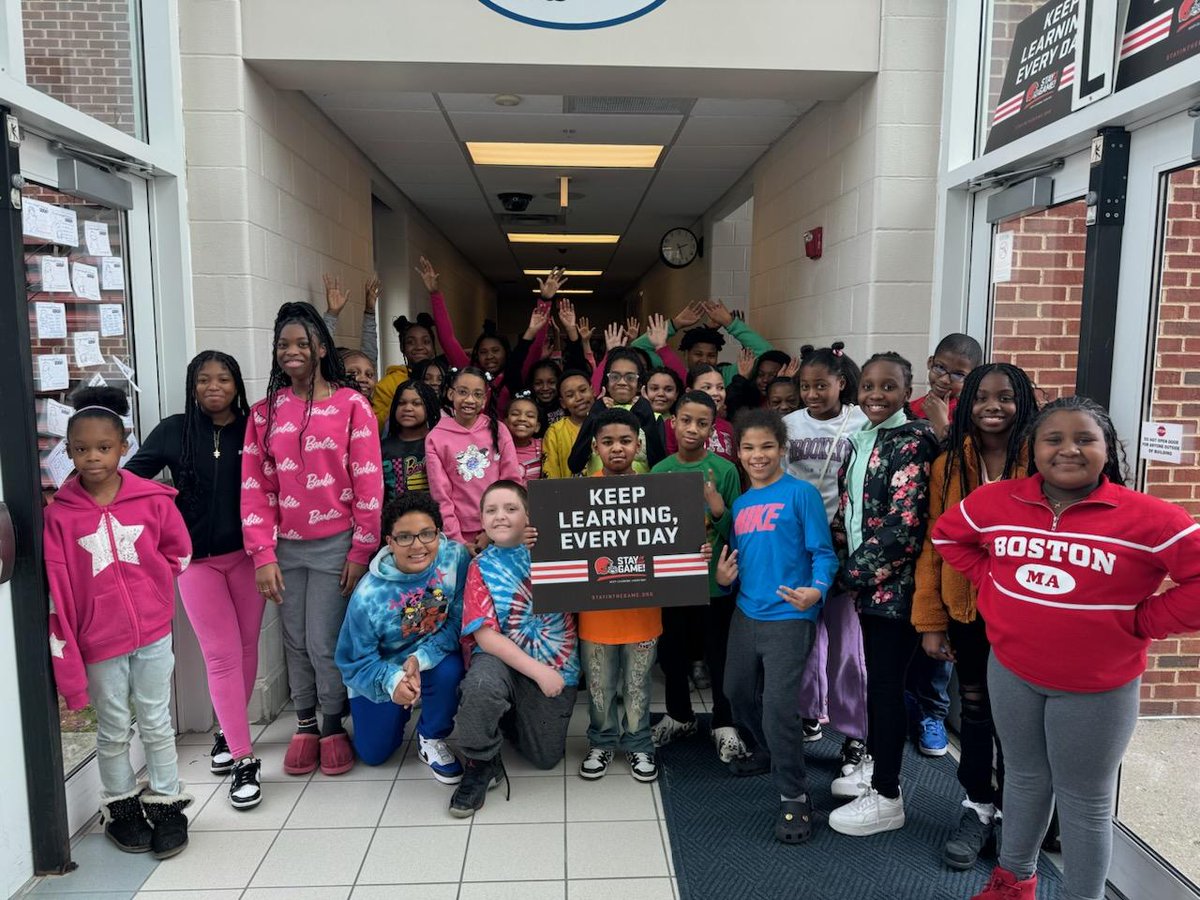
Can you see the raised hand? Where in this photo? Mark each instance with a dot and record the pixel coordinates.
(727, 567)
(553, 283)
(689, 315)
(428, 275)
(335, 296)
(372, 292)
(790, 370)
(719, 313)
(538, 319)
(566, 316)
(745, 362)
(712, 496)
(614, 337)
(585, 329)
(632, 327)
(656, 330)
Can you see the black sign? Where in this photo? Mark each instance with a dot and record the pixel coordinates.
(1040, 73)
(617, 543)
(1157, 38)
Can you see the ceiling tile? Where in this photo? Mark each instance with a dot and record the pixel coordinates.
(372, 100)
(585, 129)
(393, 125)
(719, 131)
(740, 158)
(712, 107)
(530, 103)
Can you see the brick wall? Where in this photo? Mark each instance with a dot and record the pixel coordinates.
(83, 53)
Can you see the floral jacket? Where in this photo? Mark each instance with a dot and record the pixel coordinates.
(882, 571)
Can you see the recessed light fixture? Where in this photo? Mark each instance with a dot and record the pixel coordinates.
(580, 156)
(580, 273)
(507, 100)
(534, 238)
(569, 291)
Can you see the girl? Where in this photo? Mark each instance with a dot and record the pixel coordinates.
(361, 371)
(623, 375)
(662, 389)
(415, 409)
(880, 527)
(783, 396)
(835, 682)
(435, 373)
(466, 452)
(312, 489)
(1068, 564)
(418, 345)
(522, 665)
(780, 547)
(543, 382)
(985, 444)
(748, 389)
(575, 392)
(710, 380)
(202, 448)
(399, 642)
(114, 544)
(524, 420)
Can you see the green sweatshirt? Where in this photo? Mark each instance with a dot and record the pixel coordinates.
(729, 486)
(738, 330)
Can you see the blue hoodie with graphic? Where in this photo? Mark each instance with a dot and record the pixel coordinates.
(393, 615)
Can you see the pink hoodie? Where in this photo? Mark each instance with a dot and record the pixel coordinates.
(112, 575)
(312, 479)
(461, 464)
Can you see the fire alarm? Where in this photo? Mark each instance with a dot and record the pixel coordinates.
(813, 243)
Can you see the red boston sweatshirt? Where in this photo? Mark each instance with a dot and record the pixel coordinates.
(1070, 602)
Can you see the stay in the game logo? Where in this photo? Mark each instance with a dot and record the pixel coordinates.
(1189, 12)
(1042, 89)
(622, 568)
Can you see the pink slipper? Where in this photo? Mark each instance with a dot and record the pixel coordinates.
(302, 754)
(337, 756)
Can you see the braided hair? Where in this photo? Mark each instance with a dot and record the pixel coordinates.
(834, 360)
(962, 424)
(891, 356)
(489, 407)
(1115, 463)
(330, 365)
(186, 480)
(490, 333)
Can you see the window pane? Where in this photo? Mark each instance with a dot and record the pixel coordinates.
(1003, 17)
(88, 54)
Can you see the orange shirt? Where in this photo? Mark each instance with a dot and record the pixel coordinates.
(620, 626)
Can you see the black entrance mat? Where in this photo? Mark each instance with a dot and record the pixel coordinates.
(722, 835)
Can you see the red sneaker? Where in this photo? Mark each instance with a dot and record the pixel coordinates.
(1005, 886)
(303, 754)
(337, 756)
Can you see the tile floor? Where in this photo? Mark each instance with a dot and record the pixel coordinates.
(384, 832)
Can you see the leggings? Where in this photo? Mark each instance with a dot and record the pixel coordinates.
(675, 655)
(835, 678)
(889, 645)
(1061, 747)
(977, 733)
(226, 611)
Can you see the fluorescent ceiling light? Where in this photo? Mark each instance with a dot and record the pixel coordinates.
(569, 291)
(534, 238)
(580, 156)
(582, 273)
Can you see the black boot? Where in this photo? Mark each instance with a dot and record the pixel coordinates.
(165, 813)
(479, 777)
(125, 824)
(968, 842)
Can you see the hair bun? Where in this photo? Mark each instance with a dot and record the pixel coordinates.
(807, 350)
(425, 320)
(837, 345)
(111, 398)
(489, 328)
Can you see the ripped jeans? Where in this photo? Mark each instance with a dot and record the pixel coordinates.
(624, 670)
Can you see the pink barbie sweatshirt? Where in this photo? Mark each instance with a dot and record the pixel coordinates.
(461, 463)
(112, 575)
(315, 474)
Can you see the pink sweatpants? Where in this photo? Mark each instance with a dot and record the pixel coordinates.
(226, 612)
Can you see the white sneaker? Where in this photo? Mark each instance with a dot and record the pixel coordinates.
(849, 786)
(595, 764)
(445, 765)
(642, 766)
(668, 730)
(871, 813)
(729, 743)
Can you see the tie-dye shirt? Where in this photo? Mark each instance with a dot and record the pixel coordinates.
(499, 596)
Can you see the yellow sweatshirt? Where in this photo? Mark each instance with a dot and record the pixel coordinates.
(556, 448)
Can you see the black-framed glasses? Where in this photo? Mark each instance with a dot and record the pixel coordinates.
(618, 377)
(939, 370)
(405, 539)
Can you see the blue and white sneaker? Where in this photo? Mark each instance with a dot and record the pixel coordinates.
(932, 737)
(445, 765)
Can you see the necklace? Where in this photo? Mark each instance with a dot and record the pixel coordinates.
(217, 441)
(1057, 506)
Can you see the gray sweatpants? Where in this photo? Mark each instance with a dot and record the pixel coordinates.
(1065, 747)
(311, 613)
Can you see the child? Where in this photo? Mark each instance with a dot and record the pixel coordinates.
(312, 489)
(466, 452)
(418, 346)
(361, 371)
(693, 423)
(524, 420)
(202, 448)
(617, 646)
(543, 382)
(520, 664)
(575, 391)
(415, 409)
(880, 527)
(781, 554)
(399, 642)
(663, 388)
(708, 379)
(114, 544)
(702, 345)
(1068, 564)
(623, 375)
(835, 682)
(985, 444)
(748, 388)
(783, 396)
(435, 373)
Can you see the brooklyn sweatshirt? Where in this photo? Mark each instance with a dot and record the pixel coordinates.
(461, 464)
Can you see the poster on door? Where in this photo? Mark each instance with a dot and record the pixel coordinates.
(1157, 36)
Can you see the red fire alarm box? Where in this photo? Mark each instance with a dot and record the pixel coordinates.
(813, 242)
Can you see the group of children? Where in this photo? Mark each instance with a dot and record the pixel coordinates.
(852, 533)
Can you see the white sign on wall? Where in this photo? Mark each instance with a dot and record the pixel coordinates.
(1162, 441)
(573, 14)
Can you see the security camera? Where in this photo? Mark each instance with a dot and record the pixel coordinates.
(514, 201)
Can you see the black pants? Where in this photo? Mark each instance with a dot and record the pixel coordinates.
(977, 733)
(889, 645)
(675, 656)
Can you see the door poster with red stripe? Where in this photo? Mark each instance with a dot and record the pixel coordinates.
(1157, 36)
(1040, 73)
(617, 543)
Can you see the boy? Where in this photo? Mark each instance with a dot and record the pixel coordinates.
(617, 646)
(703, 345)
(575, 393)
(693, 425)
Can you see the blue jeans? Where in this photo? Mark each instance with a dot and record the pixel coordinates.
(137, 683)
(379, 727)
(623, 669)
(929, 682)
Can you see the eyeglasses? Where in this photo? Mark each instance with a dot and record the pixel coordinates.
(464, 394)
(404, 539)
(939, 370)
(618, 377)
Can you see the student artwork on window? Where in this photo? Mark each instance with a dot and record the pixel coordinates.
(51, 321)
(95, 235)
(112, 320)
(112, 274)
(57, 417)
(58, 464)
(56, 275)
(52, 372)
(87, 349)
(85, 280)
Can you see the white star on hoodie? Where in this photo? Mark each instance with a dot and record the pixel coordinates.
(98, 546)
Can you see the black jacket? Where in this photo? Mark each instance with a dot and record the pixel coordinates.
(581, 452)
(214, 519)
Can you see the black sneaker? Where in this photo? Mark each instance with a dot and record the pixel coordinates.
(812, 730)
(168, 821)
(245, 790)
(852, 754)
(479, 777)
(756, 763)
(220, 759)
(125, 824)
(967, 843)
